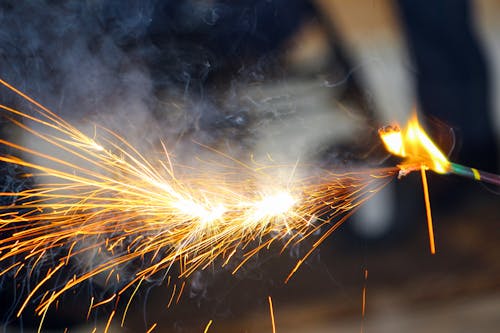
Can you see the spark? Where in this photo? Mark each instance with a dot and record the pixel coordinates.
(128, 303)
(151, 329)
(109, 321)
(127, 217)
(208, 326)
(363, 305)
(363, 301)
(271, 311)
(427, 200)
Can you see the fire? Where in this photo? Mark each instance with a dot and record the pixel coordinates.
(419, 153)
(415, 146)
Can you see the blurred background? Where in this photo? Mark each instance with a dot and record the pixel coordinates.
(314, 79)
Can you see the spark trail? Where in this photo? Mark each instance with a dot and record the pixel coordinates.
(126, 212)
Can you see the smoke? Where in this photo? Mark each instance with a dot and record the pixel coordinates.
(177, 71)
(67, 55)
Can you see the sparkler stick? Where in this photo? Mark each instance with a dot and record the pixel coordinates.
(472, 173)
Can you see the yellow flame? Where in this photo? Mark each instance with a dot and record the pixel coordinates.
(415, 146)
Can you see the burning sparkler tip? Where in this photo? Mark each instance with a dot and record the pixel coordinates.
(416, 148)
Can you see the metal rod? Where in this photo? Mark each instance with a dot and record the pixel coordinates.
(475, 174)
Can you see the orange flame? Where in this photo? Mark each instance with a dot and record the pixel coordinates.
(419, 153)
(415, 146)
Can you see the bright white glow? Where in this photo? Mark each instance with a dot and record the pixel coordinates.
(272, 205)
(197, 211)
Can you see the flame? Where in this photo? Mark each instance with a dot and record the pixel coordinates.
(415, 146)
(419, 153)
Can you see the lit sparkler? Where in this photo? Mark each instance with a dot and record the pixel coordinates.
(135, 217)
(420, 153)
(417, 149)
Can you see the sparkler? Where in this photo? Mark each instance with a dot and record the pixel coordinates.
(128, 217)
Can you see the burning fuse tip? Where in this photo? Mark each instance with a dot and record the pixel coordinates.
(389, 129)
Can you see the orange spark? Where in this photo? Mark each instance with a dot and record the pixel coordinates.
(271, 311)
(133, 217)
(363, 301)
(427, 200)
(208, 326)
(151, 329)
(108, 324)
(363, 306)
